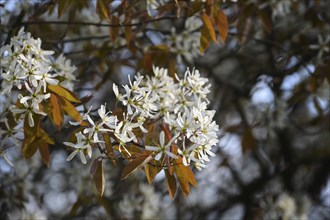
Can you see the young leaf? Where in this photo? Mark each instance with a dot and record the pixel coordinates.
(44, 137)
(70, 109)
(57, 113)
(171, 183)
(222, 24)
(103, 9)
(44, 152)
(98, 175)
(29, 148)
(187, 173)
(134, 165)
(205, 40)
(248, 141)
(59, 90)
(114, 30)
(207, 23)
(151, 172)
(62, 6)
(184, 183)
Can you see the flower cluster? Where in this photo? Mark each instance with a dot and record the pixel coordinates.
(186, 44)
(28, 68)
(177, 109)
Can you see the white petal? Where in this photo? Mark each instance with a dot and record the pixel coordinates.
(72, 155)
(115, 89)
(24, 99)
(162, 138)
(82, 157)
(171, 154)
(151, 148)
(30, 119)
(69, 144)
(159, 155)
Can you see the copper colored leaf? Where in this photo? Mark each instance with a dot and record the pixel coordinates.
(187, 173)
(222, 24)
(248, 141)
(183, 182)
(205, 39)
(194, 7)
(98, 175)
(57, 112)
(151, 172)
(134, 165)
(103, 9)
(59, 90)
(29, 148)
(70, 110)
(44, 137)
(114, 30)
(207, 23)
(170, 183)
(62, 6)
(31, 132)
(44, 152)
(266, 19)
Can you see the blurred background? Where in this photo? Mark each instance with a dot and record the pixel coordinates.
(270, 89)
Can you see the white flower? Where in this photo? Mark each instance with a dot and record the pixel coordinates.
(322, 46)
(44, 77)
(28, 112)
(95, 129)
(82, 144)
(35, 96)
(162, 149)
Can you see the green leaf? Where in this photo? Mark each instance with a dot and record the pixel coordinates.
(134, 165)
(98, 175)
(59, 90)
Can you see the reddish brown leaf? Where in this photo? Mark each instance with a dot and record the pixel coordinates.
(134, 165)
(248, 141)
(59, 90)
(207, 23)
(29, 148)
(98, 175)
(44, 152)
(57, 112)
(114, 30)
(151, 172)
(183, 182)
(187, 173)
(171, 184)
(62, 6)
(103, 9)
(205, 39)
(70, 109)
(222, 24)
(266, 19)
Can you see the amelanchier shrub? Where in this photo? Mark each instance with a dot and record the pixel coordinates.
(163, 122)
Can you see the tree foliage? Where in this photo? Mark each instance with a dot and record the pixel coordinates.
(125, 86)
